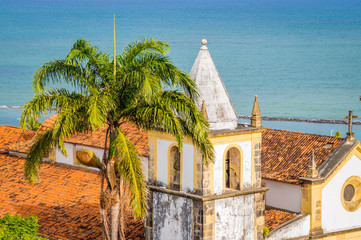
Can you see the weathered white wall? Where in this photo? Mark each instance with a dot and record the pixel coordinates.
(283, 195)
(172, 217)
(291, 229)
(186, 168)
(234, 218)
(246, 164)
(334, 216)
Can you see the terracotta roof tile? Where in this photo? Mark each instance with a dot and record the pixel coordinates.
(286, 154)
(275, 217)
(66, 200)
(14, 138)
(47, 124)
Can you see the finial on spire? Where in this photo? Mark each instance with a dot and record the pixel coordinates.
(350, 136)
(312, 170)
(204, 110)
(204, 41)
(256, 120)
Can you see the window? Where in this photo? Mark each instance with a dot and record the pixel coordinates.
(351, 194)
(175, 168)
(233, 168)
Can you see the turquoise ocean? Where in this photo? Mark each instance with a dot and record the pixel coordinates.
(302, 58)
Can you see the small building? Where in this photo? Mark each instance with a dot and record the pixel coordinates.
(317, 179)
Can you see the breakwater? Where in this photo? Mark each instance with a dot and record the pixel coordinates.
(329, 121)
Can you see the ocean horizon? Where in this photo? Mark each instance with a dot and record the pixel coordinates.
(302, 59)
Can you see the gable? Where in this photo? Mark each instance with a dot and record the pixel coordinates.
(336, 214)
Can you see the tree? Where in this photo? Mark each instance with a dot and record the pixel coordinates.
(142, 86)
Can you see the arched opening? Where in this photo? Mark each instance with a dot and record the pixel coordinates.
(233, 169)
(175, 168)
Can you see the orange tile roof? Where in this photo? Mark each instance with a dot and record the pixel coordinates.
(286, 154)
(275, 217)
(14, 138)
(65, 200)
(47, 124)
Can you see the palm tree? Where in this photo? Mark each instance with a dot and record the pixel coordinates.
(142, 86)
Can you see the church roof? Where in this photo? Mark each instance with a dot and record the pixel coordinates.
(65, 200)
(286, 154)
(220, 111)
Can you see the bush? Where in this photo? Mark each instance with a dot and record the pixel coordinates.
(265, 232)
(16, 227)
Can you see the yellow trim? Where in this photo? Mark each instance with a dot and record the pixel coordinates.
(170, 166)
(355, 203)
(347, 234)
(240, 165)
(155, 159)
(168, 137)
(195, 170)
(242, 137)
(253, 175)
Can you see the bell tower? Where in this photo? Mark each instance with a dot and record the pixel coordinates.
(221, 200)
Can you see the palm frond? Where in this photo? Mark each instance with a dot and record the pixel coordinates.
(41, 147)
(130, 168)
(143, 45)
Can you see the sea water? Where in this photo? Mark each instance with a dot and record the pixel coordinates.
(302, 58)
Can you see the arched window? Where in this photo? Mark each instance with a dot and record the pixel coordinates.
(175, 168)
(233, 168)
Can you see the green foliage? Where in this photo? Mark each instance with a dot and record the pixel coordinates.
(338, 134)
(265, 232)
(33, 124)
(19, 228)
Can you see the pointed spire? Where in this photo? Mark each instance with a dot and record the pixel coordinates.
(220, 111)
(312, 171)
(204, 110)
(256, 120)
(115, 62)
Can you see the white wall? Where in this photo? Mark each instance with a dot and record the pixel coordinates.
(334, 216)
(283, 195)
(291, 229)
(234, 218)
(186, 168)
(218, 165)
(172, 217)
(61, 158)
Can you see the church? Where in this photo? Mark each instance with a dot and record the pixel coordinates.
(263, 183)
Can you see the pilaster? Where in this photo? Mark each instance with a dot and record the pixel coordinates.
(311, 204)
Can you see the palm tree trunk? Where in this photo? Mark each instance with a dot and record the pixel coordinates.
(114, 221)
